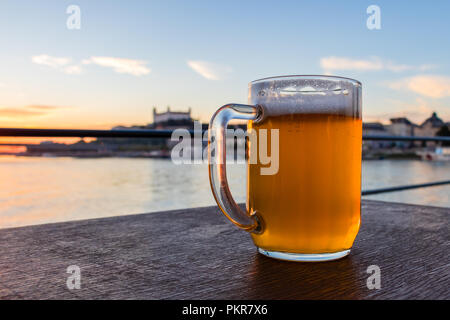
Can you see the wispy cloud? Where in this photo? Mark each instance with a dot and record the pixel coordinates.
(73, 69)
(121, 65)
(54, 62)
(27, 111)
(433, 86)
(332, 63)
(209, 70)
(60, 63)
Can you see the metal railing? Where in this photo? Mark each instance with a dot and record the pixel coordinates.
(151, 133)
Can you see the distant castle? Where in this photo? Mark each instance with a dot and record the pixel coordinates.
(165, 120)
(168, 116)
(171, 119)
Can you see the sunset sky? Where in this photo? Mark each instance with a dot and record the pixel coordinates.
(129, 56)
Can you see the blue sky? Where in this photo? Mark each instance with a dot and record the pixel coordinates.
(129, 56)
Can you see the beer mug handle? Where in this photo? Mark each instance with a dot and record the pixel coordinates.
(217, 163)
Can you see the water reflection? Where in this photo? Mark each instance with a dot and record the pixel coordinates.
(42, 190)
(402, 172)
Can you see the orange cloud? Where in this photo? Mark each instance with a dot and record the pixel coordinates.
(43, 107)
(18, 112)
(27, 111)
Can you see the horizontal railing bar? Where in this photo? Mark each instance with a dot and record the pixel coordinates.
(152, 133)
(404, 138)
(401, 188)
(82, 133)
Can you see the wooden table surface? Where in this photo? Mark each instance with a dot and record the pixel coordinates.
(197, 254)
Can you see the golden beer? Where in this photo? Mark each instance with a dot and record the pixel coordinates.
(312, 205)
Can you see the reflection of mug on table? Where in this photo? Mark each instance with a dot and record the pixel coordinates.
(309, 209)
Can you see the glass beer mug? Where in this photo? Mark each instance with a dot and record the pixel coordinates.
(309, 209)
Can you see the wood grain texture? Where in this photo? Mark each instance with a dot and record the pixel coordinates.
(197, 254)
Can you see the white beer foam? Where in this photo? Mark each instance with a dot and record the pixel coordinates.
(306, 96)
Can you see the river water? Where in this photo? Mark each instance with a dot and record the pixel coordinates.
(35, 190)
